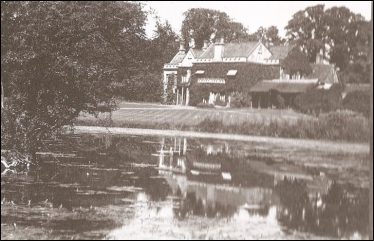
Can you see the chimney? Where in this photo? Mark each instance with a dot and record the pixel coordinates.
(218, 49)
(192, 43)
(205, 46)
(181, 47)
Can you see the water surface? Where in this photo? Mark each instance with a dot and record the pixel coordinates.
(129, 187)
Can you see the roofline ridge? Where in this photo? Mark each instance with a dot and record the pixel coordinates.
(253, 49)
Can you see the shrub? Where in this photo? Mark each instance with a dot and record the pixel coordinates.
(319, 100)
(345, 125)
(338, 126)
(239, 100)
(358, 101)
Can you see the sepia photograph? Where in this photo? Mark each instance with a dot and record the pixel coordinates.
(186, 120)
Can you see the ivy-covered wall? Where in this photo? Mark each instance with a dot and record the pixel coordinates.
(247, 75)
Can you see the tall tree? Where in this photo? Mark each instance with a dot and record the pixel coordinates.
(147, 84)
(272, 36)
(308, 28)
(163, 46)
(61, 58)
(343, 36)
(208, 25)
(296, 62)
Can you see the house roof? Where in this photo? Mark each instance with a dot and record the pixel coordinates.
(325, 73)
(178, 58)
(283, 87)
(231, 50)
(197, 52)
(280, 51)
(321, 73)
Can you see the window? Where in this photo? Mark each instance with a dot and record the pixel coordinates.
(200, 72)
(210, 81)
(232, 72)
(184, 79)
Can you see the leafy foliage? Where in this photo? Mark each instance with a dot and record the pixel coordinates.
(339, 125)
(247, 75)
(296, 62)
(307, 27)
(240, 99)
(206, 25)
(170, 97)
(358, 101)
(315, 101)
(341, 35)
(61, 58)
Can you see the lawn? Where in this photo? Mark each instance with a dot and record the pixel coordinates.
(148, 113)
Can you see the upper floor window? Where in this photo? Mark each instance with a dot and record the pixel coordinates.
(184, 79)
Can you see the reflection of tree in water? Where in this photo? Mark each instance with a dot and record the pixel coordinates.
(339, 213)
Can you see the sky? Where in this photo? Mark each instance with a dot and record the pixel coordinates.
(251, 14)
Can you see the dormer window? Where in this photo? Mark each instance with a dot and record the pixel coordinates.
(232, 72)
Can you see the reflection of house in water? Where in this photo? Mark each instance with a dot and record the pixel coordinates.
(173, 158)
(203, 174)
(217, 178)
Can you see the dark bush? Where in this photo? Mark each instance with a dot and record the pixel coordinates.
(239, 100)
(315, 101)
(358, 101)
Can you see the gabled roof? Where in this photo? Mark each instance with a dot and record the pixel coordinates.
(178, 58)
(231, 50)
(197, 52)
(280, 51)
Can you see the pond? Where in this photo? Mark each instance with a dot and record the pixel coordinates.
(132, 187)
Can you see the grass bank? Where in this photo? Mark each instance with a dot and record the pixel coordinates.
(335, 126)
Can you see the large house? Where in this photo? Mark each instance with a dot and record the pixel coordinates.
(209, 75)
